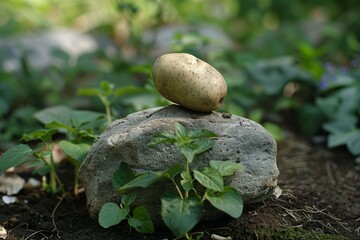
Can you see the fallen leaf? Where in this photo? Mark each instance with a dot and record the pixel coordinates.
(9, 199)
(11, 184)
(277, 192)
(58, 154)
(3, 233)
(218, 237)
(32, 183)
(9, 170)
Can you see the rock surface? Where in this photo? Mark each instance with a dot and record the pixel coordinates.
(240, 140)
(39, 48)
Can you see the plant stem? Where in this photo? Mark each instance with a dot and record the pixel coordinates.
(188, 172)
(187, 167)
(54, 178)
(52, 181)
(108, 114)
(106, 103)
(177, 188)
(76, 178)
(204, 197)
(52, 172)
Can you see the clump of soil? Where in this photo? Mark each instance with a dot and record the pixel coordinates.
(320, 200)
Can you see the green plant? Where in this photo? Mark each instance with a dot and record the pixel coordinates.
(112, 214)
(190, 42)
(262, 89)
(78, 127)
(183, 211)
(107, 94)
(336, 109)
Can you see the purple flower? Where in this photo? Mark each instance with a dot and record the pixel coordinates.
(323, 82)
(330, 68)
(344, 69)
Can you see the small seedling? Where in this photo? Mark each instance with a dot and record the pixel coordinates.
(77, 126)
(107, 93)
(183, 211)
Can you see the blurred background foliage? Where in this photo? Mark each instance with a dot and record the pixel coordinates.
(288, 64)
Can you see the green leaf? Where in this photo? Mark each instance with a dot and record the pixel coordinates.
(188, 153)
(345, 123)
(128, 199)
(335, 140)
(328, 106)
(201, 133)
(60, 114)
(285, 104)
(186, 185)
(203, 145)
(181, 215)
(142, 180)
(42, 171)
(340, 80)
(354, 144)
(349, 101)
(210, 178)
(88, 92)
(180, 131)
(107, 88)
(15, 156)
(186, 181)
(162, 137)
(111, 214)
(185, 175)
(82, 117)
(129, 90)
(141, 221)
(59, 126)
(256, 115)
(173, 171)
(275, 130)
(67, 116)
(190, 150)
(228, 201)
(122, 176)
(88, 134)
(41, 134)
(75, 151)
(235, 109)
(226, 168)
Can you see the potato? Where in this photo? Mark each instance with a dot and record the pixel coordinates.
(188, 81)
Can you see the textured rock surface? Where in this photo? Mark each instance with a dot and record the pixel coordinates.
(240, 140)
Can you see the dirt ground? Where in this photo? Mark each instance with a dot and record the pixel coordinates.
(320, 200)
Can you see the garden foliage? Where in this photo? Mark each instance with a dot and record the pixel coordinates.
(278, 67)
(182, 211)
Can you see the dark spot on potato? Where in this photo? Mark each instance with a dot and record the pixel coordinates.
(221, 100)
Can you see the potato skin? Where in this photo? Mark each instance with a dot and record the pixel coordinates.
(188, 81)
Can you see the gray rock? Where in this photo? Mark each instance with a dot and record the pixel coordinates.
(40, 45)
(240, 140)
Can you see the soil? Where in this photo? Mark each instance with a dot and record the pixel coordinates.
(319, 200)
